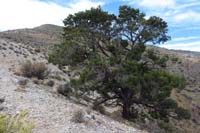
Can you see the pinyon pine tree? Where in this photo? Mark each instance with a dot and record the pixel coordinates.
(109, 51)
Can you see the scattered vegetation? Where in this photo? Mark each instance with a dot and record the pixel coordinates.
(78, 117)
(23, 82)
(168, 127)
(99, 108)
(57, 77)
(37, 50)
(50, 83)
(174, 59)
(15, 124)
(64, 89)
(38, 70)
(183, 113)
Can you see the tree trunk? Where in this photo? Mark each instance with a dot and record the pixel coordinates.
(126, 112)
(126, 100)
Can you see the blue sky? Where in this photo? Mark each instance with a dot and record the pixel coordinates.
(183, 16)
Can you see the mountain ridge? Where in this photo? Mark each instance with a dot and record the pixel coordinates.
(42, 37)
(52, 34)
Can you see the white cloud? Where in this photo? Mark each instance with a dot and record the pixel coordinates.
(173, 11)
(188, 16)
(153, 3)
(191, 4)
(185, 38)
(30, 13)
(158, 3)
(191, 43)
(193, 46)
(84, 4)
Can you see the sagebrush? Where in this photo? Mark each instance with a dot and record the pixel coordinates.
(36, 69)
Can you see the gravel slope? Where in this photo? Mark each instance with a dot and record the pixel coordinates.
(51, 112)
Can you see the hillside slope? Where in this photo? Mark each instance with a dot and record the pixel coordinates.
(42, 37)
(17, 46)
(51, 112)
(187, 64)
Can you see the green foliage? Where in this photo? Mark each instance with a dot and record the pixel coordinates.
(157, 59)
(65, 54)
(157, 85)
(168, 104)
(109, 51)
(167, 126)
(162, 61)
(150, 30)
(179, 82)
(151, 54)
(182, 113)
(64, 89)
(174, 59)
(15, 124)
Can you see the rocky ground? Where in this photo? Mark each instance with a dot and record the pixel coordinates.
(51, 112)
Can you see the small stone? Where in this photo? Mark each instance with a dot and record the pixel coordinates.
(93, 117)
(2, 100)
(1, 108)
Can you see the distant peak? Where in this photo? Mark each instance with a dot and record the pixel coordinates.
(47, 25)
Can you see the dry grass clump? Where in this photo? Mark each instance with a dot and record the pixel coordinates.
(38, 70)
(78, 117)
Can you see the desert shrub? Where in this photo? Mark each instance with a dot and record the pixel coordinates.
(162, 61)
(23, 82)
(174, 59)
(157, 59)
(36, 81)
(169, 128)
(50, 83)
(37, 50)
(179, 62)
(16, 123)
(99, 108)
(78, 117)
(179, 82)
(168, 104)
(64, 89)
(4, 48)
(151, 54)
(11, 48)
(182, 113)
(58, 77)
(38, 70)
(26, 69)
